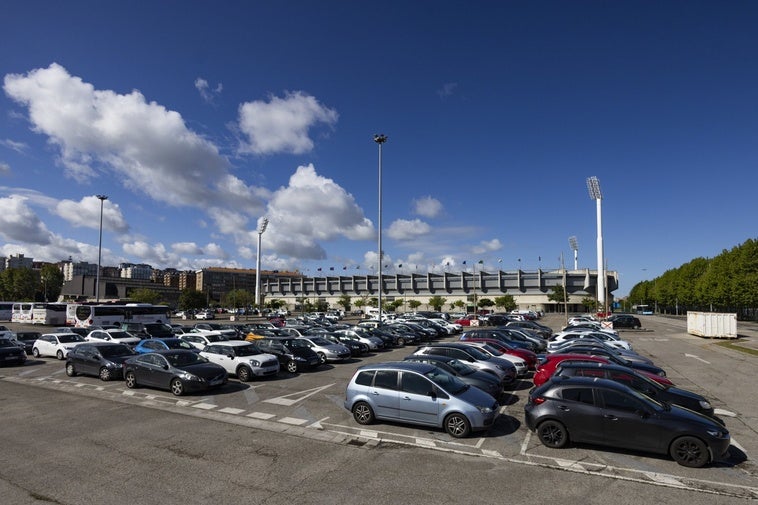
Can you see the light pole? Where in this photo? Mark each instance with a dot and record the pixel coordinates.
(575, 247)
(380, 139)
(593, 185)
(261, 229)
(102, 199)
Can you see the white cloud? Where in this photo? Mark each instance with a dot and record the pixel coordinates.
(427, 207)
(19, 222)
(5, 169)
(282, 124)
(215, 251)
(186, 248)
(19, 147)
(86, 213)
(404, 229)
(447, 89)
(206, 92)
(487, 246)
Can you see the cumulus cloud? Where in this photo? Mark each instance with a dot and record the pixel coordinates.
(487, 246)
(427, 207)
(404, 229)
(19, 223)
(282, 124)
(206, 92)
(186, 248)
(86, 213)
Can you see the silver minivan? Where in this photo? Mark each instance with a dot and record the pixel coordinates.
(418, 393)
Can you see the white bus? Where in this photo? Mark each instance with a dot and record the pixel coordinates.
(49, 313)
(22, 312)
(88, 315)
(6, 311)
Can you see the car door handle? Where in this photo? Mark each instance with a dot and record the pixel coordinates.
(611, 417)
(563, 407)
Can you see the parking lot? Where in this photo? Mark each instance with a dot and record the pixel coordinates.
(311, 405)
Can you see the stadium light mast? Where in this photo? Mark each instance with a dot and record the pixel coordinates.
(574, 247)
(593, 185)
(102, 199)
(380, 139)
(261, 229)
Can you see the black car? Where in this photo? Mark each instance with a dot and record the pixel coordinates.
(27, 339)
(468, 375)
(11, 353)
(179, 371)
(625, 321)
(638, 382)
(159, 330)
(356, 348)
(100, 359)
(294, 355)
(605, 412)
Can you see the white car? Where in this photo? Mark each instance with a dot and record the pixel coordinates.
(243, 359)
(559, 339)
(519, 363)
(200, 340)
(451, 327)
(112, 335)
(56, 344)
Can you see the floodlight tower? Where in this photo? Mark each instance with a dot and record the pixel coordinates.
(574, 247)
(380, 139)
(102, 199)
(593, 185)
(261, 229)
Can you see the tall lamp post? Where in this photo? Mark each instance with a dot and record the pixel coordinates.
(102, 199)
(261, 229)
(575, 247)
(593, 185)
(380, 139)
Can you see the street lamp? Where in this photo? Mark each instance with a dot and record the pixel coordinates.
(380, 139)
(102, 199)
(261, 229)
(574, 247)
(593, 185)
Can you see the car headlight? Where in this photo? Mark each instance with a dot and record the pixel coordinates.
(255, 363)
(189, 377)
(718, 433)
(299, 358)
(485, 410)
(705, 405)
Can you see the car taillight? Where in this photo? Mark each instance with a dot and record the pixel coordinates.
(538, 400)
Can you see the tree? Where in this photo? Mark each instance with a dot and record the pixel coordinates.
(459, 304)
(414, 304)
(145, 295)
(360, 303)
(18, 284)
(237, 299)
(506, 302)
(190, 299)
(436, 302)
(276, 304)
(558, 295)
(344, 302)
(485, 303)
(51, 280)
(373, 302)
(589, 303)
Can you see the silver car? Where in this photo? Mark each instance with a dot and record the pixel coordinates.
(418, 393)
(327, 351)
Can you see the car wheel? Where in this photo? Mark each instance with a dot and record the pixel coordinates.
(401, 342)
(70, 370)
(177, 387)
(131, 380)
(362, 413)
(322, 357)
(690, 451)
(292, 366)
(552, 434)
(457, 425)
(105, 374)
(59, 354)
(244, 374)
(35, 352)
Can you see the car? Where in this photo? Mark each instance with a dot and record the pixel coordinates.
(605, 412)
(56, 344)
(430, 396)
(470, 375)
(549, 363)
(200, 340)
(510, 337)
(566, 335)
(136, 329)
(590, 326)
(540, 329)
(615, 356)
(294, 355)
(6, 332)
(27, 338)
(11, 352)
(205, 314)
(228, 332)
(243, 359)
(159, 330)
(119, 336)
(163, 344)
(373, 343)
(99, 359)
(625, 321)
(178, 370)
(529, 357)
(598, 344)
(518, 363)
(503, 369)
(326, 350)
(639, 382)
(356, 347)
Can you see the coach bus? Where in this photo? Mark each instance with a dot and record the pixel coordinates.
(6, 311)
(88, 315)
(39, 313)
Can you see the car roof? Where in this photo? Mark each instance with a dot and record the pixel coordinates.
(562, 380)
(234, 343)
(410, 366)
(597, 364)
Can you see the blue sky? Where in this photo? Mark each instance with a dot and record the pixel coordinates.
(197, 119)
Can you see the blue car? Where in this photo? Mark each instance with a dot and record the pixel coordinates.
(164, 344)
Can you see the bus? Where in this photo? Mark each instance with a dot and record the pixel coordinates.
(6, 311)
(643, 310)
(22, 312)
(88, 315)
(49, 313)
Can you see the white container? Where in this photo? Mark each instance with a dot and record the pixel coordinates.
(712, 324)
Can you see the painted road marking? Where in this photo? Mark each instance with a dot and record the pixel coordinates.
(291, 399)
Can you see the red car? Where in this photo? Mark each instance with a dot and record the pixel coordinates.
(528, 356)
(545, 370)
(467, 320)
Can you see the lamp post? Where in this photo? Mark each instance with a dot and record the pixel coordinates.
(261, 229)
(380, 139)
(593, 185)
(575, 247)
(102, 199)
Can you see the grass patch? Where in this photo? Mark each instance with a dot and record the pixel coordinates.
(736, 347)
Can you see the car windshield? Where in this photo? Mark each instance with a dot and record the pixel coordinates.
(216, 338)
(247, 350)
(177, 344)
(111, 351)
(320, 341)
(183, 359)
(460, 367)
(446, 381)
(67, 339)
(477, 354)
(120, 334)
(6, 343)
(297, 344)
